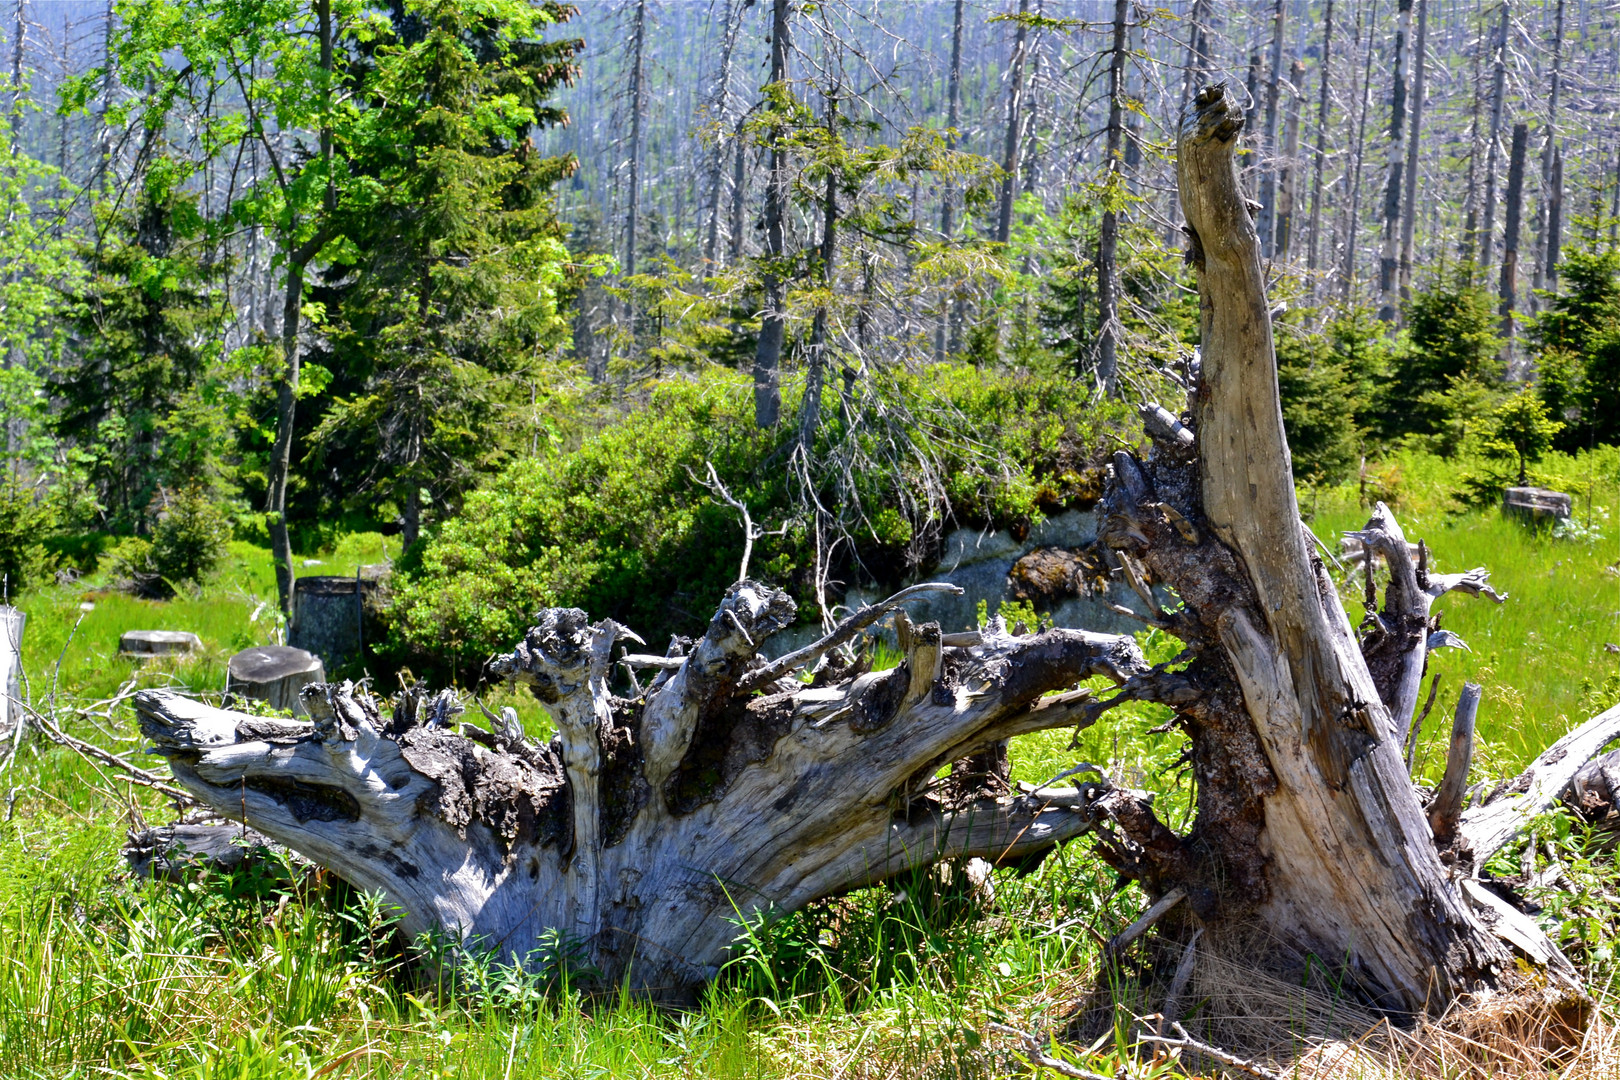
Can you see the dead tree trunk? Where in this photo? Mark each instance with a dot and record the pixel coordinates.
(947, 336)
(638, 106)
(1389, 249)
(1015, 121)
(1319, 155)
(1487, 222)
(773, 320)
(11, 632)
(1268, 138)
(1108, 325)
(1413, 141)
(1288, 188)
(1509, 288)
(728, 787)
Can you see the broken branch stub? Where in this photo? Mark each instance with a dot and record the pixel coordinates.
(650, 824)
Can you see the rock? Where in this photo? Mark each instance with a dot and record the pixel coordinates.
(1536, 504)
(175, 852)
(273, 674)
(11, 631)
(333, 616)
(158, 642)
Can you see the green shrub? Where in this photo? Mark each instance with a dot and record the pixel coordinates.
(25, 520)
(188, 543)
(622, 526)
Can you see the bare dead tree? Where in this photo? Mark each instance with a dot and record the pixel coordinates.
(1487, 223)
(1389, 255)
(1546, 265)
(638, 109)
(1015, 125)
(773, 321)
(1268, 137)
(1288, 187)
(1509, 288)
(947, 336)
(1108, 326)
(1319, 156)
(717, 162)
(1413, 141)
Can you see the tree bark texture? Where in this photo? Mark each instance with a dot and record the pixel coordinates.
(1288, 186)
(11, 634)
(638, 106)
(729, 786)
(1268, 139)
(1487, 223)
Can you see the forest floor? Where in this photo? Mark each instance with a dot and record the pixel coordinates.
(284, 972)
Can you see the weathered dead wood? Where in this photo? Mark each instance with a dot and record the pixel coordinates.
(1448, 800)
(1506, 810)
(11, 632)
(650, 825)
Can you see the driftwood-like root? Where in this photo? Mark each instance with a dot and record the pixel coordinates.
(650, 825)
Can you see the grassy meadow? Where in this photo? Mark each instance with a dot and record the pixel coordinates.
(285, 972)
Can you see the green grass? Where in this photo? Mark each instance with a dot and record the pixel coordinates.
(290, 974)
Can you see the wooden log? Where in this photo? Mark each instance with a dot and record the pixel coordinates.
(147, 643)
(273, 674)
(12, 622)
(1448, 800)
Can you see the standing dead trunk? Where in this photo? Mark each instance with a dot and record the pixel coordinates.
(717, 164)
(773, 320)
(1555, 219)
(638, 106)
(11, 633)
(1470, 231)
(1288, 186)
(947, 336)
(1193, 77)
(1015, 122)
(1413, 141)
(1108, 325)
(1487, 221)
(1353, 219)
(1509, 290)
(1389, 251)
(739, 191)
(1268, 138)
(1549, 197)
(816, 360)
(1319, 157)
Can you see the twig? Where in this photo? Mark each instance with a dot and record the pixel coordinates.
(1153, 914)
(1031, 1046)
(1187, 1042)
(133, 773)
(1178, 985)
(846, 630)
(1417, 725)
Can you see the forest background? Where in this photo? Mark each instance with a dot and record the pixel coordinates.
(485, 290)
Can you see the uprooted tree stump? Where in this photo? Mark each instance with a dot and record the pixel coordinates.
(726, 786)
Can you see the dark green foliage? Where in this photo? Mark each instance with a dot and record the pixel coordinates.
(1451, 366)
(622, 527)
(449, 303)
(1332, 368)
(188, 543)
(140, 390)
(1579, 341)
(25, 520)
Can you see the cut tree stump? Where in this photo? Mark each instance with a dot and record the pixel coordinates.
(1536, 505)
(158, 642)
(330, 615)
(273, 674)
(12, 622)
(728, 787)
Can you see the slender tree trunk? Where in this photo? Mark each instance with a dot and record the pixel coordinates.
(773, 322)
(298, 259)
(947, 336)
(816, 366)
(711, 242)
(1413, 142)
(1470, 233)
(1015, 121)
(1319, 158)
(1555, 219)
(1108, 327)
(1197, 61)
(1487, 223)
(1510, 238)
(739, 192)
(1544, 242)
(1267, 223)
(638, 106)
(1353, 223)
(1389, 252)
(1288, 191)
